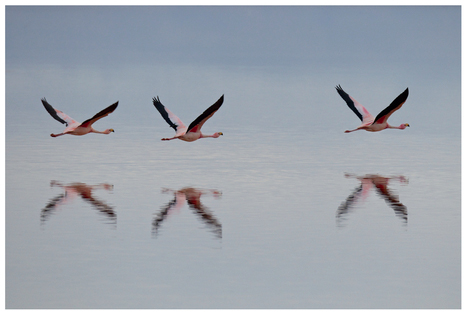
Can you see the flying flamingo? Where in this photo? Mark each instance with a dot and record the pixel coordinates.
(75, 128)
(193, 132)
(368, 121)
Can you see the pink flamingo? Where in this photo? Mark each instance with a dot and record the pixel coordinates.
(193, 132)
(368, 121)
(75, 128)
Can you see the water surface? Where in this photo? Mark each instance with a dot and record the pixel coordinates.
(128, 221)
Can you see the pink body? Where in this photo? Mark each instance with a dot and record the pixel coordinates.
(378, 127)
(193, 136)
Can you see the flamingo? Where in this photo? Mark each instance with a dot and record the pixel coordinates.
(193, 132)
(368, 121)
(75, 128)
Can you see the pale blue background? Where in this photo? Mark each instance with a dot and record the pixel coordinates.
(196, 54)
(280, 165)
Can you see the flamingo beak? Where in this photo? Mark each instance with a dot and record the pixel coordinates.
(220, 133)
(407, 125)
(111, 130)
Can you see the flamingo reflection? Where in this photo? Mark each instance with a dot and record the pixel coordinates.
(71, 192)
(380, 183)
(192, 196)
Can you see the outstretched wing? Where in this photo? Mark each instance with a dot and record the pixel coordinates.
(58, 115)
(357, 108)
(200, 120)
(100, 115)
(394, 106)
(170, 118)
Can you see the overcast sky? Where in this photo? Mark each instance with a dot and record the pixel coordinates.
(369, 50)
(233, 35)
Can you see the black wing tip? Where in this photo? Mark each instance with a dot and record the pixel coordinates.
(220, 101)
(342, 93)
(156, 100)
(340, 90)
(47, 106)
(114, 105)
(404, 95)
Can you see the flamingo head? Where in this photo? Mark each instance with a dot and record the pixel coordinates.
(403, 126)
(217, 134)
(108, 131)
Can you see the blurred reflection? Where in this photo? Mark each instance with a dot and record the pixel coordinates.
(380, 183)
(71, 192)
(192, 196)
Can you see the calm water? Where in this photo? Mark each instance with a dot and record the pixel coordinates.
(129, 221)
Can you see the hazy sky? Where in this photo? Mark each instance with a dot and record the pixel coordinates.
(297, 53)
(233, 35)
